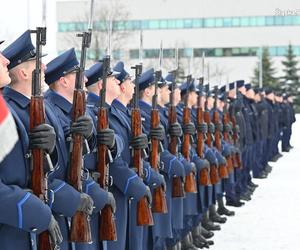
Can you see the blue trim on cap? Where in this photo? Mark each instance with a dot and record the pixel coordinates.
(20, 214)
(128, 182)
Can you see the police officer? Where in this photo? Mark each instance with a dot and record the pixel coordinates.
(60, 76)
(19, 207)
(127, 185)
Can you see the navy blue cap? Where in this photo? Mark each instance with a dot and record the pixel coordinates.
(185, 86)
(62, 65)
(222, 90)
(146, 79)
(240, 83)
(201, 90)
(123, 74)
(95, 73)
(21, 50)
(207, 91)
(268, 91)
(162, 82)
(231, 85)
(256, 90)
(248, 86)
(170, 80)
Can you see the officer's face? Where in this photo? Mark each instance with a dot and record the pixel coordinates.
(112, 87)
(210, 102)
(70, 80)
(193, 98)
(177, 96)
(128, 89)
(164, 94)
(4, 75)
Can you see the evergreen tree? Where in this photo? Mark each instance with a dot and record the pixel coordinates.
(290, 79)
(268, 78)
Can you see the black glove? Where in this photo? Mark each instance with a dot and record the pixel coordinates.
(228, 128)
(189, 129)
(202, 128)
(43, 137)
(54, 231)
(219, 126)
(86, 204)
(236, 129)
(175, 129)
(157, 133)
(148, 195)
(211, 128)
(83, 126)
(139, 142)
(106, 137)
(112, 202)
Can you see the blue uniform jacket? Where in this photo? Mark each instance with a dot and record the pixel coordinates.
(19, 208)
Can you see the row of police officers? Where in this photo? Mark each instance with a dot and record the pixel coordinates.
(232, 133)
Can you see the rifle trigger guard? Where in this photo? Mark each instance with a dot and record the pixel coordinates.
(85, 174)
(111, 181)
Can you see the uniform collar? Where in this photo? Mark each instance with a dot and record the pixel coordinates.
(93, 99)
(118, 105)
(16, 96)
(144, 105)
(59, 101)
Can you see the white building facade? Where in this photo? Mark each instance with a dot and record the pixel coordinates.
(231, 32)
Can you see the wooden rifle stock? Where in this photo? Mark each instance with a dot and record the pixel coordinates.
(144, 214)
(159, 203)
(223, 173)
(190, 185)
(80, 227)
(200, 136)
(235, 137)
(204, 177)
(227, 137)
(177, 185)
(37, 117)
(39, 182)
(214, 175)
(107, 227)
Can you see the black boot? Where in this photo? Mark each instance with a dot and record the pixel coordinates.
(251, 184)
(187, 243)
(214, 216)
(234, 203)
(198, 239)
(222, 210)
(209, 225)
(206, 234)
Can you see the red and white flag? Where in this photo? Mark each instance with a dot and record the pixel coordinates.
(8, 131)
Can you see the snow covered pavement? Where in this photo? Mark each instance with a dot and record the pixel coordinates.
(271, 220)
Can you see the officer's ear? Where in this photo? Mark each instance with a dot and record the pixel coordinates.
(63, 82)
(122, 88)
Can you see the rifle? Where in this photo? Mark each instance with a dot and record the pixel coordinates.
(144, 214)
(177, 185)
(159, 204)
(218, 144)
(80, 227)
(39, 179)
(227, 134)
(214, 176)
(190, 182)
(235, 137)
(204, 173)
(107, 226)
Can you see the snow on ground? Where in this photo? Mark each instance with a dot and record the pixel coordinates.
(271, 220)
